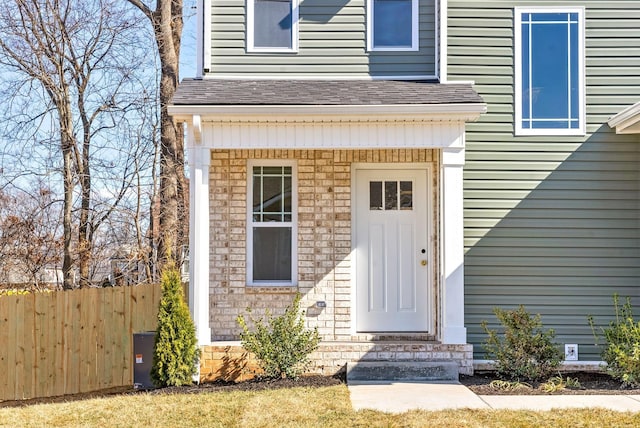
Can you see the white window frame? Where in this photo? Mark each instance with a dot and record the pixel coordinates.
(293, 224)
(519, 130)
(250, 30)
(415, 30)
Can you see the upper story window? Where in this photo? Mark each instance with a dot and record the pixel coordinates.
(271, 234)
(392, 25)
(549, 71)
(272, 26)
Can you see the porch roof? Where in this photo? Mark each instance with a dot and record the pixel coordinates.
(218, 92)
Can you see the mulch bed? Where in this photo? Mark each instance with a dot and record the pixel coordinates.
(590, 384)
(313, 381)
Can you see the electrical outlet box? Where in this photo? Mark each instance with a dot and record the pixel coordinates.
(570, 352)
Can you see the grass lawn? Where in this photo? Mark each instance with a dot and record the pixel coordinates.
(296, 407)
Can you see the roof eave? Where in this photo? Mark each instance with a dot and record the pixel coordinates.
(627, 121)
(467, 112)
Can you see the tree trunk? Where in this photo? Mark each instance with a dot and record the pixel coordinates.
(167, 20)
(66, 140)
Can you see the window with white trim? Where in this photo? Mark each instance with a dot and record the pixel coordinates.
(272, 25)
(549, 65)
(392, 25)
(272, 219)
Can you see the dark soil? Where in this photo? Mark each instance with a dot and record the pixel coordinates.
(313, 381)
(590, 384)
(257, 384)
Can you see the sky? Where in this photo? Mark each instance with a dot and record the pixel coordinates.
(188, 48)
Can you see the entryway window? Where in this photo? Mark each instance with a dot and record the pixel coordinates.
(549, 63)
(390, 195)
(271, 247)
(272, 25)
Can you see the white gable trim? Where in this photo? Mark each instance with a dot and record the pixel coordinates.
(328, 127)
(627, 121)
(454, 112)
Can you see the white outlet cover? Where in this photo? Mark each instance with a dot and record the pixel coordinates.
(571, 352)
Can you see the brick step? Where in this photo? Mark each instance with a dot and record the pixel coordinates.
(402, 371)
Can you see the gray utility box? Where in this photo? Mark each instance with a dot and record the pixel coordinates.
(142, 359)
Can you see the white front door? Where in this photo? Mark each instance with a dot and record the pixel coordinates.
(392, 251)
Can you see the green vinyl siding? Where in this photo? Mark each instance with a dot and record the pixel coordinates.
(550, 222)
(332, 40)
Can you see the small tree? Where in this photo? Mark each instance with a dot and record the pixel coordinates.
(526, 352)
(175, 353)
(282, 345)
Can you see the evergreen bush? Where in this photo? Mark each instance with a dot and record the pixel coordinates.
(175, 352)
(282, 344)
(622, 352)
(526, 352)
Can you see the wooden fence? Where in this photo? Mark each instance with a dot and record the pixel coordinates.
(67, 342)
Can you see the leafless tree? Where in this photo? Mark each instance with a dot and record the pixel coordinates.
(74, 70)
(166, 21)
(30, 235)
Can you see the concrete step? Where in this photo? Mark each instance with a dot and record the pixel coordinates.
(402, 371)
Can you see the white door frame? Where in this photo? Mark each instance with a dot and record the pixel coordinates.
(432, 250)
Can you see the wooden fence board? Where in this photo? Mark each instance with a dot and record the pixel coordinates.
(43, 343)
(107, 316)
(11, 343)
(93, 381)
(28, 345)
(59, 380)
(85, 356)
(4, 339)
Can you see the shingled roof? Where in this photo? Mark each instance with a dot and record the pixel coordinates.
(321, 92)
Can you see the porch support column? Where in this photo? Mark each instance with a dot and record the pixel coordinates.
(452, 248)
(199, 161)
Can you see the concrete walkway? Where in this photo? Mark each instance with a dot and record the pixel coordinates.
(398, 397)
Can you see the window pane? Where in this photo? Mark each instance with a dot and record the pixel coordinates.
(272, 170)
(272, 23)
(526, 88)
(272, 194)
(287, 197)
(392, 23)
(257, 197)
(272, 254)
(406, 195)
(375, 195)
(390, 195)
(550, 61)
(574, 73)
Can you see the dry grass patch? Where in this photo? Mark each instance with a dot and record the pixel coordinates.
(295, 407)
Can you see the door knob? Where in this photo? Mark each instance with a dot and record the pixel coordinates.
(423, 262)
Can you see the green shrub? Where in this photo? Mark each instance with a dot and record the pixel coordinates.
(526, 352)
(622, 352)
(175, 353)
(282, 345)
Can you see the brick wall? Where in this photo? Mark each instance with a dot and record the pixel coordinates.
(229, 361)
(324, 236)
